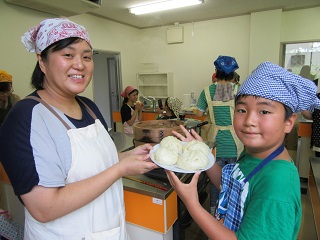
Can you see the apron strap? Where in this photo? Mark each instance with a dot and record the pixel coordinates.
(264, 162)
(50, 109)
(56, 114)
(93, 115)
(216, 128)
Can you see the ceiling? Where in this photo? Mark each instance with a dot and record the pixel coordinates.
(117, 10)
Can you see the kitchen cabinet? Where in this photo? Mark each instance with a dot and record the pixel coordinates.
(158, 85)
(149, 217)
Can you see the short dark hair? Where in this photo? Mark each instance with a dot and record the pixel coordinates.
(5, 86)
(221, 75)
(37, 75)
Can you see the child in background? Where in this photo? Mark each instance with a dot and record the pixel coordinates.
(260, 194)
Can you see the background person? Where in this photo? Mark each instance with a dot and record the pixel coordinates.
(315, 128)
(55, 148)
(172, 107)
(131, 110)
(7, 98)
(218, 98)
(260, 195)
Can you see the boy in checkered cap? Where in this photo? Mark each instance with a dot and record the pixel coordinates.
(260, 193)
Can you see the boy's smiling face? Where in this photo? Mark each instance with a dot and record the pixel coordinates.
(260, 124)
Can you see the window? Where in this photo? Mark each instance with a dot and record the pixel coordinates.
(303, 59)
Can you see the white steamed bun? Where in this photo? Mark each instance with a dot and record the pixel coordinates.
(196, 145)
(172, 143)
(192, 160)
(165, 156)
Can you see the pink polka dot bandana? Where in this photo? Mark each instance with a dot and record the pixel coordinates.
(50, 31)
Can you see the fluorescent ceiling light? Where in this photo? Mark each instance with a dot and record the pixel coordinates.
(163, 5)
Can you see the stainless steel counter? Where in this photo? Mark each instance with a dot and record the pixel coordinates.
(144, 189)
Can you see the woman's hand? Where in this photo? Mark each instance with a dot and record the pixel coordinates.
(141, 150)
(136, 164)
(188, 136)
(187, 192)
(139, 106)
(136, 161)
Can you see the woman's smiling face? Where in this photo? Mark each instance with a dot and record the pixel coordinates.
(69, 70)
(260, 124)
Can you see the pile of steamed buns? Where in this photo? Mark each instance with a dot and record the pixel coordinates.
(189, 156)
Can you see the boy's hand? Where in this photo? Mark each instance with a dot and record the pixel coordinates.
(188, 136)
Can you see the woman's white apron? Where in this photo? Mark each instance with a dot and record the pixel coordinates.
(126, 127)
(93, 151)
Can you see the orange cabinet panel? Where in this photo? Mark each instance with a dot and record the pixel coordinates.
(149, 212)
(304, 129)
(149, 116)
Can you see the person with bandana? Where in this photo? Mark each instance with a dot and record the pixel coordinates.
(7, 98)
(218, 100)
(131, 110)
(260, 194)
(55, 148)
(171, 109)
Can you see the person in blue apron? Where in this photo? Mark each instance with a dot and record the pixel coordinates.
(218, 99)
(260, 194)
(61, 161)
(131, 109)
(7, 98)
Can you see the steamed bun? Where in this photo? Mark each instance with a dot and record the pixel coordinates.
(166, 156)
(172, 143)
(196, 145)
(192, 160)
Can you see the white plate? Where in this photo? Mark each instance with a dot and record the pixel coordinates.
(174, 168)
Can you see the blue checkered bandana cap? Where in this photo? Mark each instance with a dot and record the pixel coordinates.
(226, 64)
(273, 82)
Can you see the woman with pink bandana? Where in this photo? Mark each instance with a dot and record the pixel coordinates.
(60, 159)
(131, 110)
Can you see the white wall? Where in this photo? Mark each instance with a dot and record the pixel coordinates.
(192, 61)
(264, 45)
(105, 35)
(301, 25)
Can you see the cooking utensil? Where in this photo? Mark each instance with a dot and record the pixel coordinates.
(147, 183)
(196, 127)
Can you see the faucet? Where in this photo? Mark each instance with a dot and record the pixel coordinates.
(152, 100)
